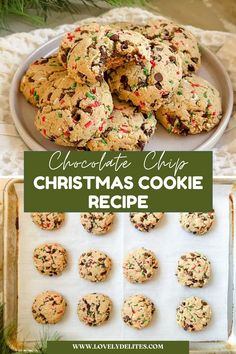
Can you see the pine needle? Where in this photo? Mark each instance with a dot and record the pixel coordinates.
(37, 11)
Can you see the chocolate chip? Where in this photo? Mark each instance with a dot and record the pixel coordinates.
(172, 59)
(99, 78)
(158, 77)
(124, 79)
(114, 37)
(173, 48)
(125, 45)
(190, 67)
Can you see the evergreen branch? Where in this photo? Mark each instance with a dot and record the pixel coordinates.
(37, 11)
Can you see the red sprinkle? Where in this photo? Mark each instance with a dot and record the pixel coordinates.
(195, 85)
(94, 90)
(142, 104)
(77, 29)
(44, 132)
(153, 63)
(95, 104)
(43, 119)
(32, 91)
(70, 36)
(88, 124)
(122, 130)
(101, 126)
(137, 93)
(67, 133)
(62, 101)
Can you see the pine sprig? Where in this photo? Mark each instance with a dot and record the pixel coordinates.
(6, 333)
(37, 11)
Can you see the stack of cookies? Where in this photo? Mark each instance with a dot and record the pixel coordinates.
(108, 85)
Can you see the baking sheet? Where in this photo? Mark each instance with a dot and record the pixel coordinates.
(168, 241)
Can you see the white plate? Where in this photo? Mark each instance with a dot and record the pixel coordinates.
(212, 70)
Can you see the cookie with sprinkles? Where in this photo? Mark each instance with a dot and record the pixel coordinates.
(48, 221)
(193, 314)
(140, 265)
(49, 307)
(195, 108)
(197, 223)
(148, 87)
(178, 37)
(94, 265)
(127, 129)
(107, 49)
(145, 221)
(137, 311)
(72, 114)
(94, 309)
(97, 223)
(194, 270)
(39, 74)
(71, 38)
(50, 259)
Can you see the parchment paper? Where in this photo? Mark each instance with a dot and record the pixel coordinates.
(169, 241)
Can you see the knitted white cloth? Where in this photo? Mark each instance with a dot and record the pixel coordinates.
(14, 48)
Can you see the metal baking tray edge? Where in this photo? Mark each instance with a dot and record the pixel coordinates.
(10, 285)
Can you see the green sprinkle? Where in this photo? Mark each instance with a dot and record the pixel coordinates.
(89, 95)
(108, 108)
(36, 96)
(109, 34)
(205, 94)
(77, 58)
(104, 141)
(169, 130)
(74, 85)
(145, 71)
(179, 93)
(59, 114)
(150, 115)
(94, 38)
(171, 82)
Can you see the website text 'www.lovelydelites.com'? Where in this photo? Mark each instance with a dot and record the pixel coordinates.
(117, 346)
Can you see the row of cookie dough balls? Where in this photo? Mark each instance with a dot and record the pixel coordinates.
(149, 67)
(101, 223)
(94, 309)
(139, 266)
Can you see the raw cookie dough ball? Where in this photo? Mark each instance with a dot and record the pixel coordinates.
(145, 221)
(137, 311)
(39, 74)
(195, 108)
(181, 40)
(94, 309)
(49, 307)
(148, 87)
(194, 270)
(97, 223)
(140, 265)
(193, 314)
(197, 223)
(48, 221)
(50, 259)
(109, 48)
(127, 129)
(71, 38)
(94, 265)
(72, 114)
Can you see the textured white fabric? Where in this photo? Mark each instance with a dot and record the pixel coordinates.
(16, 47)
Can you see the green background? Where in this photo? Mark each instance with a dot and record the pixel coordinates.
(200, 164)
(169, 347)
